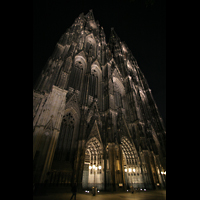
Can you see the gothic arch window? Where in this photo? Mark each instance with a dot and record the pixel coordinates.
(93, 85)
(119, 92)
(95, 82)
(65, 138)
(118, 100)
(76, 75)
(117, 96)
(144, 104)
(90, 45)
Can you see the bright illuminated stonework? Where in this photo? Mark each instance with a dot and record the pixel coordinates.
(95, 121)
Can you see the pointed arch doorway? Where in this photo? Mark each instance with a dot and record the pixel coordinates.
(132, 168)
(93, 171)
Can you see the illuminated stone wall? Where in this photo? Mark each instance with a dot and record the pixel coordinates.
(92, 106)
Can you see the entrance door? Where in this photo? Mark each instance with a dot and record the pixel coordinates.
(93, 165)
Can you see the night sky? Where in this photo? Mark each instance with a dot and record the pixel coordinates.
(142, 27)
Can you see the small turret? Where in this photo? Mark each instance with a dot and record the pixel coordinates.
(89, 15)
(114, 41)
(113, 36)
(91, 25)
(102, 35)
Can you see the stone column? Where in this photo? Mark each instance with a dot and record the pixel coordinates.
(105, 165)
(122, 167)
(49, 156)
(79, 164)
(111, 151)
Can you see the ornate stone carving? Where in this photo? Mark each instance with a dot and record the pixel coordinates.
(93, 110)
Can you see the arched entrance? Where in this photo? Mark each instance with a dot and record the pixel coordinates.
(93, 171)
(132, 169)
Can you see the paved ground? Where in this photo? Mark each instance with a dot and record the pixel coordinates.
(148, 195)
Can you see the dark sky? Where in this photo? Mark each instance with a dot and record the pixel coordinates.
(142, 28)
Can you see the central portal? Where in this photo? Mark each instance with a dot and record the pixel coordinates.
(93, 172)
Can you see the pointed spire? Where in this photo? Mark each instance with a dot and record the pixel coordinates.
(113, 35)
(81, 15)
(89, 15)
(114, 41)
(102, 32)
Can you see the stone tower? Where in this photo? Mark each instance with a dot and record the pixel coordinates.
(95, 121)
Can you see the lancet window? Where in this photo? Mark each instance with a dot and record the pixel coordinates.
(65, 138)
(118, 100)
(93, 85)
(76, 76)
(117, 95)
(90, 46)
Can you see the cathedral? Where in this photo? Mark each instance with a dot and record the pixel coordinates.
(95, 121)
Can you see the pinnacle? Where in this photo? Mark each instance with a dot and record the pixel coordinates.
(102, 32)
(113, 33)
(89, 15)
(113, 36)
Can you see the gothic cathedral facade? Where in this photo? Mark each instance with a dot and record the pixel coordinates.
(95, 121)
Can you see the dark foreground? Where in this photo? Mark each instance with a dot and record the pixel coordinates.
(144, 195)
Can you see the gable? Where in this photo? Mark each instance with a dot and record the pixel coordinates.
(93, 111)
(72, 106)
(94, 132)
